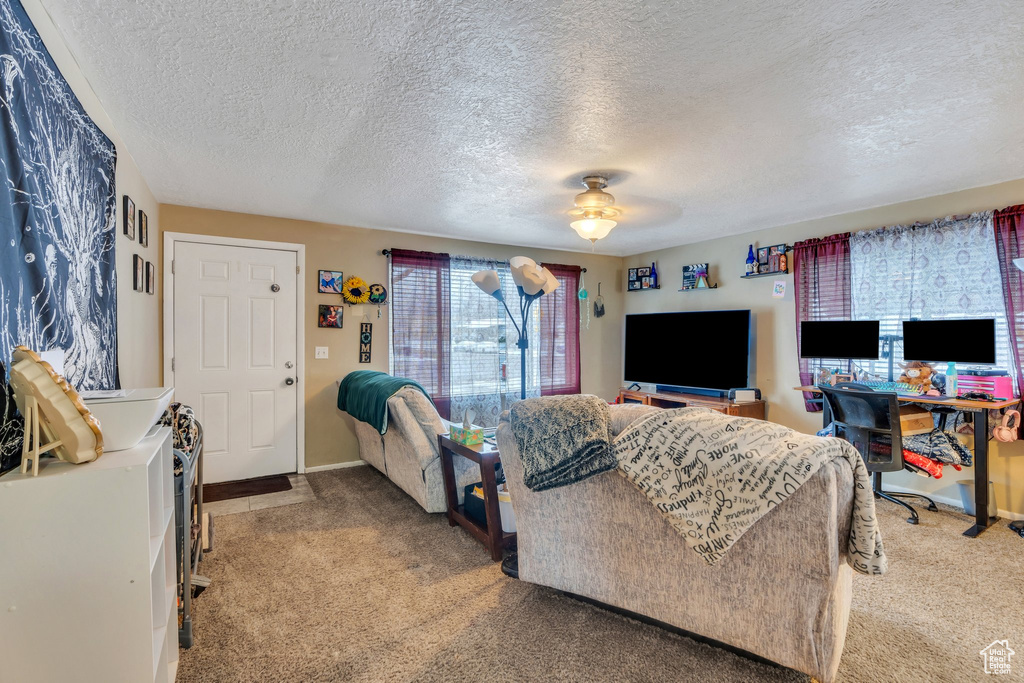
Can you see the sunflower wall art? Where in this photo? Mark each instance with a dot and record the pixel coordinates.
(355, 291)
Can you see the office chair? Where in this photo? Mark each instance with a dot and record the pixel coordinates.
(870, 420)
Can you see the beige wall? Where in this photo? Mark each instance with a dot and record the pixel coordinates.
(138, 314)
(775, 319)
(356, 251)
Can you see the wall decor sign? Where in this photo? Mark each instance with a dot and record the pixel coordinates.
(143, 228)
(779, 289)
(330, 281)
(58, 228)
(129, 217)
(365, 339)
(331, 316)
(693, 274)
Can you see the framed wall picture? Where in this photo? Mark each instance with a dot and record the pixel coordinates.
(150, 278)
(331, 316)
(138, 273)
(331, 281)
(143, 228)
(129, 217)
(634, 285)
(762, 257)
(643, 272)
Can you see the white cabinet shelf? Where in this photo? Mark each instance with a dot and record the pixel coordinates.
(87, 581)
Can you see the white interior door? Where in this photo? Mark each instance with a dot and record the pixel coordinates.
(235, 355)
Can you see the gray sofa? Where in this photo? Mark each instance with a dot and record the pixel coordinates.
(782, 592)
(408, 452)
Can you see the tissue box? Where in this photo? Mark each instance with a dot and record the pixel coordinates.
(467, 437)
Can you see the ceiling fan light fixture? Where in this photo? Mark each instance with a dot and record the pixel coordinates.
(594, 210)
(593, 229)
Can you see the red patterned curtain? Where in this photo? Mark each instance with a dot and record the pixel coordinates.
(560, 333)
(421, 335)
(821, 276)
(1009, 229)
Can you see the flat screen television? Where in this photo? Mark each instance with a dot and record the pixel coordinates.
(839, 339)
(692, 350)
(959, 341)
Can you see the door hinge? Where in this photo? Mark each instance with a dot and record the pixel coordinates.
(296, 270)
(172, 365)
(172, 266)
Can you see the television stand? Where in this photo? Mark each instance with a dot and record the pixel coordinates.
(754, 409)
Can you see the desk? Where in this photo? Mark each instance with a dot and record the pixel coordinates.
(980, 409)
(487, 457)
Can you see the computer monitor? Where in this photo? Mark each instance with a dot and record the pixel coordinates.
(854, 339)
(958, 341)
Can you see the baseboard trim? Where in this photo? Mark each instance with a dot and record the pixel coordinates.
(336, 466)
(947, 500)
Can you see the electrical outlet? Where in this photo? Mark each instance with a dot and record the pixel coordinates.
(321, 352)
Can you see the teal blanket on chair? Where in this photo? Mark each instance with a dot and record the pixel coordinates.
(364, 395)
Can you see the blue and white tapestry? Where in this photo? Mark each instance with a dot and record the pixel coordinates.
(57, 213)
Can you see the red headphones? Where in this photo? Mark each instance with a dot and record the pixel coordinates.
(1007, 431)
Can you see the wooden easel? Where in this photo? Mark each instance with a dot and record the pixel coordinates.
(35, 429)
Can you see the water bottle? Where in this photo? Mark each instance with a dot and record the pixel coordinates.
(951, 379)
(750, 260)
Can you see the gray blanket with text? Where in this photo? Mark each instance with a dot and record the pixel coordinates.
(713, 476)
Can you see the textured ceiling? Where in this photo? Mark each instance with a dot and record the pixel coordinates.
(476, 119)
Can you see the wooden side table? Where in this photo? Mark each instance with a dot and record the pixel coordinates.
(487, 457)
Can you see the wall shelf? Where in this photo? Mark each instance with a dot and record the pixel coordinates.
(699, 289)
(777, 272)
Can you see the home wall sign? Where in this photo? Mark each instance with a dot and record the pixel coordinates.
(365, 339)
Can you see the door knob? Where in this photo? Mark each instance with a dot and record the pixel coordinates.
(275, 287)
(290, 381)
(289, 364)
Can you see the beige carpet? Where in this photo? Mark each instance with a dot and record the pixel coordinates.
(362, 585)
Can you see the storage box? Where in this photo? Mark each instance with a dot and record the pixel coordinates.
(474, 507)
(915, 420)
(1000, 386)
(467, 437)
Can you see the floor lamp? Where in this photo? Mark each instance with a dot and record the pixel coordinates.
(532, 282)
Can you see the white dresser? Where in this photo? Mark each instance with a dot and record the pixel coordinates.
(87, 578)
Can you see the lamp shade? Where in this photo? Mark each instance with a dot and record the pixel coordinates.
(550, 281)
(488, 281)
(593, 228)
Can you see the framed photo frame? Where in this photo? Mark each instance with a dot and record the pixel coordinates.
(143, 228)
(634, 285)
(331, 316)
(138, 273)
(150, 278)
(762, 256)
(632, 274)
(330, 281)
(643, 272)
(129, 217)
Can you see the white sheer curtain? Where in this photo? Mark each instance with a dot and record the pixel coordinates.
(946, 269)
(485, 361)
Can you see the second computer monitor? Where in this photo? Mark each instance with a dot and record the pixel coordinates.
(841, 339)
(959, 341)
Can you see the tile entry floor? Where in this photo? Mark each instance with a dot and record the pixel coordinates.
(299, 493)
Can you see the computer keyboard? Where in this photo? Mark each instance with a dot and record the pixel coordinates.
(897, 387)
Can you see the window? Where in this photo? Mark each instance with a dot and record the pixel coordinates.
(943, 270)
(461, 345)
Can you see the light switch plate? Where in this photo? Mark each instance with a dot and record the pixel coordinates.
(321, 352)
